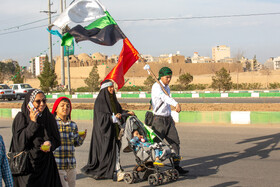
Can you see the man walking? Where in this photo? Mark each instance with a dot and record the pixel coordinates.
(163, 124)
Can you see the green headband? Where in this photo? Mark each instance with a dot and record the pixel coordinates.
(164, 71)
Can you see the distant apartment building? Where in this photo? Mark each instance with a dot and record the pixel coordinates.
(220, 52)
(250, 64)
(172, 58)
(273, 63)
(148, 58)
(37, 65)
(32, 66)
(114, 58)
(200, 59)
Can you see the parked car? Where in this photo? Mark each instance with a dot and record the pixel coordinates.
(6, 92)
(21, 90)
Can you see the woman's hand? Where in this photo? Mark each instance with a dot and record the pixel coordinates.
(131, 113)
(118, 115)
(34, 115)
(46, 146)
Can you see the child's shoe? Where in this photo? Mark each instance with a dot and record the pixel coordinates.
(158, 163)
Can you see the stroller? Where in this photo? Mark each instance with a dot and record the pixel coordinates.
(145, 157)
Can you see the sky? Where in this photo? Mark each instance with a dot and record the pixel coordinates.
(24, 36)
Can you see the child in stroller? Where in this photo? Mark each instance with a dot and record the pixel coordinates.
(139, 141)
(146, 156)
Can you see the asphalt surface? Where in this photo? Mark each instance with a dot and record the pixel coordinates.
(180, 100)
(215, 155)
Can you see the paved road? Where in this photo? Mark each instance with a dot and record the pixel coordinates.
(216, 155)
(180, 100)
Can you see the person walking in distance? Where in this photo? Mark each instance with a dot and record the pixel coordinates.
(163, 123)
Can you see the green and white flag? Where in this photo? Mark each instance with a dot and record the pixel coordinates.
(150, 133)
(80, 11)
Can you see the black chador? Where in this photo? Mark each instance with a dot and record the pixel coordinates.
(103, 148)
(30, 135)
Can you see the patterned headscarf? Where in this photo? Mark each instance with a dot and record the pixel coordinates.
(164, 71)
(34, 93)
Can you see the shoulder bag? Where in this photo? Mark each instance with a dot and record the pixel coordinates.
(149, 116)
(19, 162)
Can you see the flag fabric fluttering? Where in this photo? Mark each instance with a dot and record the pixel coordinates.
(103, 30)
(128, 56)
(55, 32)
(80, 11)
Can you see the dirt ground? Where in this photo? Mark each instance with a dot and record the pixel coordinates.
(185, 107)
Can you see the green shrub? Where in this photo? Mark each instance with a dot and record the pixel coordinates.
(274, 85)
(134, 88)
(83, 89)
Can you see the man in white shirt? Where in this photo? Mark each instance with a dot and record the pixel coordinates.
(163, 124)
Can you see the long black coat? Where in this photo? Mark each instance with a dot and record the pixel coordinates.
(102, 155)
(29, 135)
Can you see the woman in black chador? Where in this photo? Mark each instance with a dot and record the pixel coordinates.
(32, 129)
(103, 158)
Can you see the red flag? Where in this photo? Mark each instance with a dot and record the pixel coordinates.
(128, 56)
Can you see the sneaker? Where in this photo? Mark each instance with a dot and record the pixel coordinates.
(120, 176)
(177, 158)
(181, 170)
(158, 163)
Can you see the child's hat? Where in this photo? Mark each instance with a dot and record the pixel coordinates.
(56, 103)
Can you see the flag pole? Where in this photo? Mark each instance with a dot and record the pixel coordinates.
(141, 58)
(154, 76)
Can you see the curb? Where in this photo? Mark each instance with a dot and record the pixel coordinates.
(212, 117)
(193, 94)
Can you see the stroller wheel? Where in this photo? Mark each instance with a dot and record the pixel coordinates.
(128, 178)
(167, 175)
(174, 174)
(160, 178)
(153, 180)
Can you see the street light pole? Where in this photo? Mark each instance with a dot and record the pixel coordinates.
(49, 12)
(50, 37)
(68, 64)
(62, 52)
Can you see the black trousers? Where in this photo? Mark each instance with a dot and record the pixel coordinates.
(165, 128)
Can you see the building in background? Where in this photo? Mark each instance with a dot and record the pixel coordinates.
(273, 63)
(37, 65)
(172, 58)
(220, 52)
(32, 66)
(200, 59)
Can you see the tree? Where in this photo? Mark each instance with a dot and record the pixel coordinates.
(185, 79)
(248, 66)
(93, 80)
(18, 78)
(221, 80)
(47, 77)
(266, 71)
(149, 82)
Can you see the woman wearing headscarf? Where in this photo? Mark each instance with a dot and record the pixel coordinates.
(31, 129)
(103, 158)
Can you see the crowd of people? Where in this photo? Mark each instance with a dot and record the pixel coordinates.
(51, 137)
